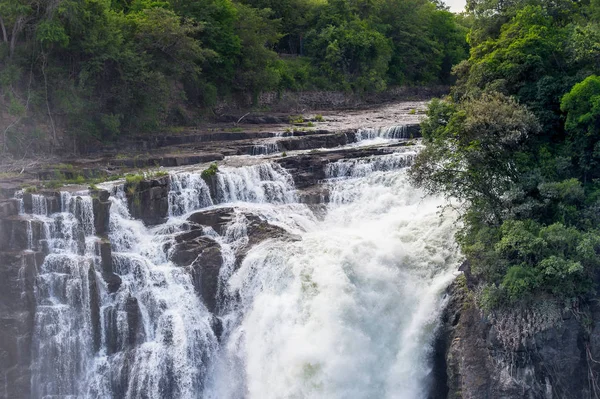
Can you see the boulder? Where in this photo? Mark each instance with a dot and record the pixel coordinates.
(149, 200)
(202, 254)
(202, 257)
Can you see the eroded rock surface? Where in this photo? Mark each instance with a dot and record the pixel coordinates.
(540, 353)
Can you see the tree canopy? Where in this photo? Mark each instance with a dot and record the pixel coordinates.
(518, 141)
(96, 69)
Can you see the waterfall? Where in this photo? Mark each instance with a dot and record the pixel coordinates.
(263, 183)
(39, 205)
(62, 336)
(265, 149)
(388, 132)
(157, 337)
(361, 167)
(343, 305)
(348, 311)
(188, 192)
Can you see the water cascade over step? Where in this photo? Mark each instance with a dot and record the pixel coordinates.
(388, 132)
(244, 292)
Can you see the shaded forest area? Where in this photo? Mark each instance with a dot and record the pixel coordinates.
(87, 71)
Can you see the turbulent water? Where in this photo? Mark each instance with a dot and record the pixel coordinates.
(345, 309)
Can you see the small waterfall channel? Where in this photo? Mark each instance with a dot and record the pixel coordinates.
(338, 304)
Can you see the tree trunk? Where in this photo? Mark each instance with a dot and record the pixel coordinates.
(15, 33)
(4, 34)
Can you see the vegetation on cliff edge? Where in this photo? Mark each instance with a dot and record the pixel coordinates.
(518, 141)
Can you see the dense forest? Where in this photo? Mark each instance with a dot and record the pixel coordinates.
(74, 71)
(518, 141)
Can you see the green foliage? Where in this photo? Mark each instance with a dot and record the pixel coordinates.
(519, 143)
(210, 171)
(296, 119)
(582, 106)
(470, 153)
(134, 179)
(87, 71)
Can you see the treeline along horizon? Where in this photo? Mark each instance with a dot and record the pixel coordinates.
(96, 69)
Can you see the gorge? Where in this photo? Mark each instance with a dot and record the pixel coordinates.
(305, 267)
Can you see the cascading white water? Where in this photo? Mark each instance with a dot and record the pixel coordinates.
(362, 167)
(349, 310)
(263, 183)
(62, 337)
(388, 132)
(345, 309)
(158, 339)
(265, 149)
(188, 192)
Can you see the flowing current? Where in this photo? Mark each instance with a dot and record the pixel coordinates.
(340, 305)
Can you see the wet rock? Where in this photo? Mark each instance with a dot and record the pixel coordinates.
(317, 141)
(479, 356)
(217, 218)
(17, 233)
(17, 309)
(149, 200)
(101, 206)
(314, 195)
(135, 333)
(113, 281)
(9, 208)
(202, 257)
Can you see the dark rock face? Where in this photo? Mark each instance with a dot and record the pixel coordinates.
(9, 208)
(202, 256)
(113, 281)
(14, 234)
(17, 309)
(534, 353)
(317, 141)
(101, 206)
(95, 309)
(149, 200)
(215, 218)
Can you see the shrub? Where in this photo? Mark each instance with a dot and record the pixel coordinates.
(210, 171)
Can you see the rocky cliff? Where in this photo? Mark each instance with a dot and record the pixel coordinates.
(540, 352)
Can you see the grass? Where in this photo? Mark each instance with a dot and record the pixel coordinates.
(319, 118)
(8, 175)
(296, 119)
(134, 179)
